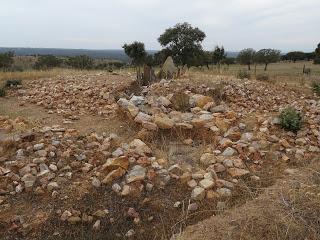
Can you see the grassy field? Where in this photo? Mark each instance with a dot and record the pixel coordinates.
(279, 72)
(35, 74)
(282, 72)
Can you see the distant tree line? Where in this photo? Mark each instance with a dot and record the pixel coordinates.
(298, 56)
(249, 57)
(182, 42)
(45, 62)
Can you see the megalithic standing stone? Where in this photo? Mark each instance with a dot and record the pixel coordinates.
(168, 68)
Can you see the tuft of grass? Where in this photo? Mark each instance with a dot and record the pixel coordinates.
(13, 82)
(316, 87)
(291, 119)
(262, 77)
(242, 74)
(2, 92)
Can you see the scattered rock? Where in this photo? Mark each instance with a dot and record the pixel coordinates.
(198, 193)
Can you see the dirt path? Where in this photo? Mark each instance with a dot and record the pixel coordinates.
(38, 117)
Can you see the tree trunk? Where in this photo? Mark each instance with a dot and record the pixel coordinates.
(249, 68)
(265, 68)
(255, 70)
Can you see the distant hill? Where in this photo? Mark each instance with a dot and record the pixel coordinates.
(113, 54)
(60, 52)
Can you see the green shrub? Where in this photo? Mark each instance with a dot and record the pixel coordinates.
(47, 62)
(81, 62)
(316, 87)
(262, 77)
(316, 60)
(2, 92)
(242, 74)
(291, 119)
(13, 82)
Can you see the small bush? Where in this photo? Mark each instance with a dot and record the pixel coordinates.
(316, 60)
(316, 87)
(2, 92)
(262, 77)
(291, 119)
(242, 74)
(47, 62)
(13, 82)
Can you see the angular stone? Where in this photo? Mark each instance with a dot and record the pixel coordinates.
(238, 172)
(206, 184)
(113, 175)
(138, 100)
(228, 152)
(207, 159)
(115, 163)
(192, 183)
(96, 182)
(163, 122)
(198, 193)
(150, 126)
(137, 173)
(201, 100)
(38, 146)
(41, 153)
(133, 110)
(164, 101)
(218, 109)
(142, 117)
(140, 147)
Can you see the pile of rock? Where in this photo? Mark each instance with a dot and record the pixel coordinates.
(73, 96)
(163, 112)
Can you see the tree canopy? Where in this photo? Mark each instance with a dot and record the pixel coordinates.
(218, 55)
(136, 52)
(295, 56)
(267, 56)
(317, 51)
(317, 55)
(183, 41)
(246, 57)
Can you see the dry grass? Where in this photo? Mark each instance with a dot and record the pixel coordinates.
(288, 210)
(282, 72)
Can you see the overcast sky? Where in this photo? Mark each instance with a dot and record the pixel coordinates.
(107, 24)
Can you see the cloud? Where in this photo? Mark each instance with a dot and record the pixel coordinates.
(100, 24)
